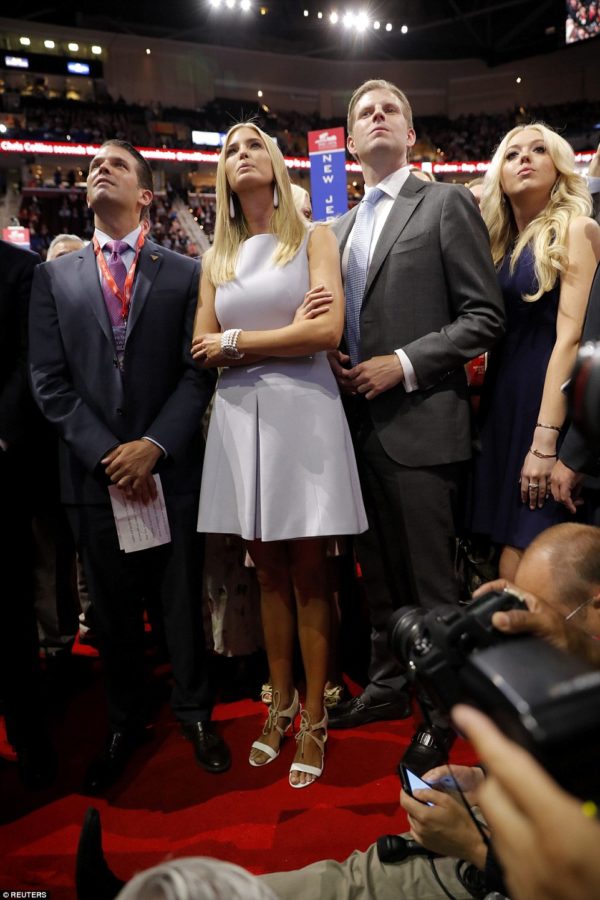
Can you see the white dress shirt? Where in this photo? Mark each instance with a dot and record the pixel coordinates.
(391, 186)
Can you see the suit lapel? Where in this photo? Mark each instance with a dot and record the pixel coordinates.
(90, 286)
(343, 226)
(404, 206)
(149, 263)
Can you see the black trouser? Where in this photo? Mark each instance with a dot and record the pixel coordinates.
(407, 555)
(19, 662)
(120, 584)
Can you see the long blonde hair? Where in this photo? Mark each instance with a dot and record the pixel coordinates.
(546, 234)
(219, 262)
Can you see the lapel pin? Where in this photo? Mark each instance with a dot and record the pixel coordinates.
(154, 257)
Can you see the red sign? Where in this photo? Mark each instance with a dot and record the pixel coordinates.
(15, 234)
(326, 141)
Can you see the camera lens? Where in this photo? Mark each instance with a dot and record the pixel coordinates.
(407, 633)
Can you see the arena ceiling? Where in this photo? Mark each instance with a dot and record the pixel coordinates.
(492, 30)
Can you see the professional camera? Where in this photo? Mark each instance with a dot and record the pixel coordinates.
(542, 698)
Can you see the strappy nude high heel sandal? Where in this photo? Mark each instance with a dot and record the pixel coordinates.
(307, 730)
(272, 724)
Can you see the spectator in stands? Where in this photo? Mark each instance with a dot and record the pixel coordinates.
(546, 250)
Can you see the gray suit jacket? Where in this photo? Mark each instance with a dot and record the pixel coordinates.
(432, 291)
(80, 389)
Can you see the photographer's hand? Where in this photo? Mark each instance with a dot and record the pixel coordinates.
(447, 778)
(543, 837)
(445, 828)
(542, 619)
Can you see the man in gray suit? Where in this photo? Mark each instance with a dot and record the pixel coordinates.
(422, 299)
(111, 369)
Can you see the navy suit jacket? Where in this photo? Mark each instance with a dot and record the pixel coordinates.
(16, 274)
(80, 388)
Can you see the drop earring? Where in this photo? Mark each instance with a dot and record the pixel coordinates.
(231, 207)
(275, 196)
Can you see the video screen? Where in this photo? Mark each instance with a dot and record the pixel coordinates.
(582, 21)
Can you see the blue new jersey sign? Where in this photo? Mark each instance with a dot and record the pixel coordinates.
(329, 192)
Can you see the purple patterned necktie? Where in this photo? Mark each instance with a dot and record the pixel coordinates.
(118, 270)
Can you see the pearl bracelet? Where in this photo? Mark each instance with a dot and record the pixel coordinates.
(229, 341)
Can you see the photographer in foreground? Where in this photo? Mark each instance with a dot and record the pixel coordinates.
(563, 566)
(546, 839)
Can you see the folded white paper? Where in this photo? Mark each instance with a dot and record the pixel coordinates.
(140, 525)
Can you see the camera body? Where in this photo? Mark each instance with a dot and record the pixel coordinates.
(542, 698)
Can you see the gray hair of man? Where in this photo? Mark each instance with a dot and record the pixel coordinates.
(64, 239)
(196, 878)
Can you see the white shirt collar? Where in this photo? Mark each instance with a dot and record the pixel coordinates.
(130, 238)
(392, 184)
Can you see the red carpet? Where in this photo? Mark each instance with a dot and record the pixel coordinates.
(166, 806)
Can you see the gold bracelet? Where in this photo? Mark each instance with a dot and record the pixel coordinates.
(551, 427)
(542, 455)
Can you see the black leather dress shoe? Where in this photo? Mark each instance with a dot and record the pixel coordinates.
(361, 711)
(93, 878)
(429, 748)
(212, 753)
(107, 768)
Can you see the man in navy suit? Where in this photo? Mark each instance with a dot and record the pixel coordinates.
(111, 369)
(19, 439)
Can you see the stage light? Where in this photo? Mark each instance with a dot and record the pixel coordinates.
(49, 45)
(319, 15)
(148, 51)
(348, 20)
(333, 18)
(73, 47)
(388, 27)
(361, 21)
(215, 3)
(230, 4)
(96, 49)
(305, 13)
(264, 10)
(25, 41)
(259, 93)
(3, 128)
(519, 79)
(376, 25)
(404, 29)
(245, 6)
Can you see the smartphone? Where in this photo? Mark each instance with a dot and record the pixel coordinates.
(411, 782)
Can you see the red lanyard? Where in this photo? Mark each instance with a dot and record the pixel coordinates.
(123, 297)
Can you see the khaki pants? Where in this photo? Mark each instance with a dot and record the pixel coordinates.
(363, 877)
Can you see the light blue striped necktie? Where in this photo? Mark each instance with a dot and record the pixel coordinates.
(356, 271)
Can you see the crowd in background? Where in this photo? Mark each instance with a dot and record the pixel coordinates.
(467, 137)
